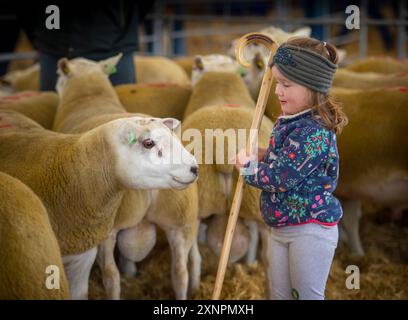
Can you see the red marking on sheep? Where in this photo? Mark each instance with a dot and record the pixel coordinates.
(19, 96)
(402, 74)
(30, 94)
(14, 97)
(4, 125)
(158, 85)
(401, 89)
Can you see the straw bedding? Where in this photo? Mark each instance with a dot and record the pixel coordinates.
(383, 270)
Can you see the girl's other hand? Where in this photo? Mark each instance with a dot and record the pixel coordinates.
(241, 158)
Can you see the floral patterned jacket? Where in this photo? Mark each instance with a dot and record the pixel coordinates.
(298, 174)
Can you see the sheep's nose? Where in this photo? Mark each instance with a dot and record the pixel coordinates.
(194, 170)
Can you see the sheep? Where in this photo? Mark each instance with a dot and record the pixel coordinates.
(371, 161)
(251, 76)
(159, 100)
(22, 80)
(83, 87)
(38, 106)
(79, 80)
(159, 69)
(368, 80)
(186, 62)
(28, 246)
(384, 65)
(176, 213)
(373, 164)
(219, 88)
(217, 180)
(214, 63)
(63, 171)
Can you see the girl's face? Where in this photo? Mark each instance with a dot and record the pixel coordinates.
(293, 97)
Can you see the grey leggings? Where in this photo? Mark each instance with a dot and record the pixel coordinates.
(300, 260)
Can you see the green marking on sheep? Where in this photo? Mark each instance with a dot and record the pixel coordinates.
(241, 71)
(111, 69)
(132, 138)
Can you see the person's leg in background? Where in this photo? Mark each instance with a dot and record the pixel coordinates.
(310, 258)
(9, 31)
(374, 11)
(48, 71)
(125, 71)
(313, 9)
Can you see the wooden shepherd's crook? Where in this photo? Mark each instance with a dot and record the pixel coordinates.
(256, 122)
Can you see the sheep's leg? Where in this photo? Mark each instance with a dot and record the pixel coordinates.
(78, 267)
(253, 241)
(350, 221)
(194, 267)
(179, 256)
(110, 272)
(202, 232)
(266, 256)
(343, 234)
(127, 266)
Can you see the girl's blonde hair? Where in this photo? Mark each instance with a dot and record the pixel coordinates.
(329, 110)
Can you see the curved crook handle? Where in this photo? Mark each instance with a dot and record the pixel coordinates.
(249, 38)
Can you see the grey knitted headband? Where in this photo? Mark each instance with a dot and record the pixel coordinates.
(305, 67)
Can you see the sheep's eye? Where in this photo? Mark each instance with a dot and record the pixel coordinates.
(148, 143)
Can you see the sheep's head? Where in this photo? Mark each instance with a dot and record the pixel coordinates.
(80, 66)
(213, 62)
(252, 76)
(149, 155)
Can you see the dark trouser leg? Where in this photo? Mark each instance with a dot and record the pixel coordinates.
(125, 71)
(48, 73)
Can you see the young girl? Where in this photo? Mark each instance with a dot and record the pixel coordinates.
(298, 172)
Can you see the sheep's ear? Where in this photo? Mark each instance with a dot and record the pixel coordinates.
(63, 66)
(258, 61)
(198, 62)
(342, 55)
(109, 65)
(171, 123)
